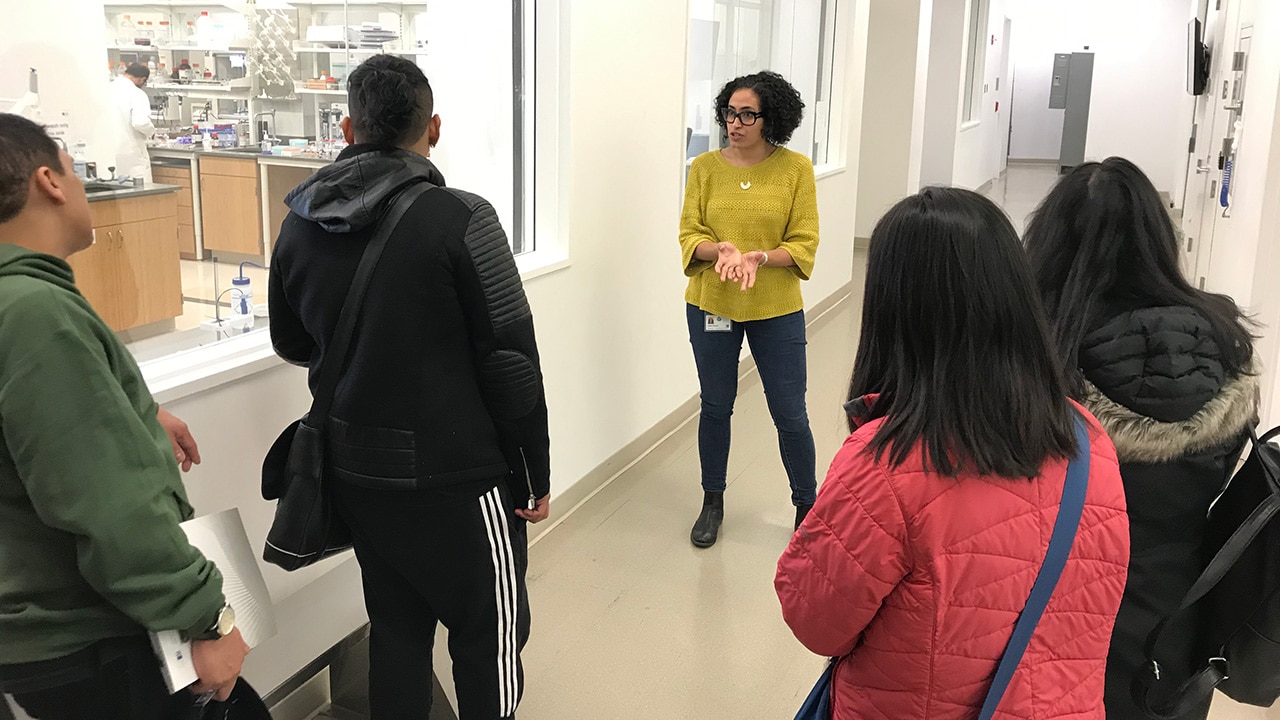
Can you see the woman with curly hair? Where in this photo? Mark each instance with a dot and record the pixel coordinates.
(748, 236)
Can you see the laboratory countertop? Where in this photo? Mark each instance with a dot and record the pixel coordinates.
(184, 154)
(125, 193)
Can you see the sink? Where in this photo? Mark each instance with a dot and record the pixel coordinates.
(97, 186)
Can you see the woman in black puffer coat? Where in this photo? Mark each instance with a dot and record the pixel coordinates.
(1168, 370)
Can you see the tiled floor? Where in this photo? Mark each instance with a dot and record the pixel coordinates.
(1022, 188)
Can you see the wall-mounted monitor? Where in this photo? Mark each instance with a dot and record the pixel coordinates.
(1197, 59)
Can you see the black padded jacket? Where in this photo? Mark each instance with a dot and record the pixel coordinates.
(1179, 418)
(442, 388)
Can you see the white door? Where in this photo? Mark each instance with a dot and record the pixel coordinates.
(1202, 171)
(1226, 85)
(1004, 100)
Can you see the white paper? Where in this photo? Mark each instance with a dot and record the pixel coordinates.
(222, 539)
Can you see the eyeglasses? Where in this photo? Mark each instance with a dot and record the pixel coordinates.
(746, 117)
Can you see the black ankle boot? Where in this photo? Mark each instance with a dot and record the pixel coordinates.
(802, 511)
(707, 528)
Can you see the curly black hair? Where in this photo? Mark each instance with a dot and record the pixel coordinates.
(780, 104)
(391, 101)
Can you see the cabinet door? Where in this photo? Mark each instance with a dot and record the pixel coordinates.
(98, 276)
(149, 262)
(231, 213)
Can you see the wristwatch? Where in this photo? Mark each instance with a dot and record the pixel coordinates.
(222, 626)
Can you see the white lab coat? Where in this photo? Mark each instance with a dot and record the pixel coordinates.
(131, 115)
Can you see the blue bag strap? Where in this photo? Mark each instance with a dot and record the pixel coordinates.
(1064, 536)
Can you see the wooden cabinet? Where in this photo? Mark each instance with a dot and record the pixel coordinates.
(132, 274)
(180, 175)
(230, 209)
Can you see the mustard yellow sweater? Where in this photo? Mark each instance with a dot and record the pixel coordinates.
(771, 205)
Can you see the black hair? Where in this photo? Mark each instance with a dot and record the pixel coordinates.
(1103, 237)
(138, 70)
(391, 101)
(25, 147)
(955, 343)
(780, 104)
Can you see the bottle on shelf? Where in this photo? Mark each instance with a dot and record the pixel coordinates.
(151, 66)
(204, 29)
(80, 160)
(125, 30)
(191, 33)
(165, 32)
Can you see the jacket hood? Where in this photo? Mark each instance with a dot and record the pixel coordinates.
(1219, 423)
(19, 261)
(350, 194)
(1156, 379)
(858, 410)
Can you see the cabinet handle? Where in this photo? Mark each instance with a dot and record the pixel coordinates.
(111, 240)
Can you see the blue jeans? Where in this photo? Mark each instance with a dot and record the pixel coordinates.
(778, 346)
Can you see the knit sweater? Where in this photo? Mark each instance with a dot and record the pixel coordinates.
(771, 205)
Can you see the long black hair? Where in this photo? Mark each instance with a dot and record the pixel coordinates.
(955, 343)
(1103, 237)
(780, 104)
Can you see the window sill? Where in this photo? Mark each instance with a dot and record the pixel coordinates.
(184, 374)
(822, 172)
(540, 262)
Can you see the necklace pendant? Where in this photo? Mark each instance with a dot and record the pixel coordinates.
(745, 185)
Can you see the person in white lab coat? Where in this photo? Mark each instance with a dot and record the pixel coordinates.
(132, 115)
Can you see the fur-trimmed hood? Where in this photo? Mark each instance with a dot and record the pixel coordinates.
(1139, 438)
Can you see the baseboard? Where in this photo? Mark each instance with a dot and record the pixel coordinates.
(633, 452)
(861, 243)
(1048, 162)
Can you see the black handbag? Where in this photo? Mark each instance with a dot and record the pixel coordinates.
(306, 529)
(1238, 596)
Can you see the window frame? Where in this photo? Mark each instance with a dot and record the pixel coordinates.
(975, 61)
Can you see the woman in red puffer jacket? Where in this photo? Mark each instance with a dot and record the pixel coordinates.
(934, 520)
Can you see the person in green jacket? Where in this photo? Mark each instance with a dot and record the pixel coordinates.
(91, 554)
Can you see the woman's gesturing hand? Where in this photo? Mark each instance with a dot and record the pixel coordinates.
(728, 261)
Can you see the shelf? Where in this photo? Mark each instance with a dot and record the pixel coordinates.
(305, 91)
(356, 51)
(178, 48)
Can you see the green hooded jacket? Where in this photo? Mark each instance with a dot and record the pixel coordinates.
(90, 492)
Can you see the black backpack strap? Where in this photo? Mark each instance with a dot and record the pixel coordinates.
(1190, 694)
(335, 356)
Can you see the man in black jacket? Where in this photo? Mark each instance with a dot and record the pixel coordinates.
(438, 434)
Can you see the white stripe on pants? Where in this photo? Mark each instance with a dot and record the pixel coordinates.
(504, 588)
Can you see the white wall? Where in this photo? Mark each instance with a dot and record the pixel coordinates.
(73, 70)
(943, 92)
(1139, 79)
(978, 146)
(611, 326)
(890, 97)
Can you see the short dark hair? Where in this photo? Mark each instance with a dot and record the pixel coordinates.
(391, 101)
(780, 104)
(955, 343)
(1103, 234)
(25, 147)
(138, 70)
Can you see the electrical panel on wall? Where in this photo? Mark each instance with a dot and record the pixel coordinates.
(1058, 88)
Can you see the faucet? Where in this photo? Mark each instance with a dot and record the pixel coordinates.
(263, 135)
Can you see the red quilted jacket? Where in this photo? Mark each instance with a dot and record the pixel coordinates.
(915, 581)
